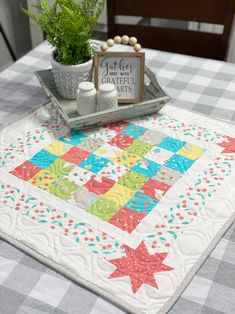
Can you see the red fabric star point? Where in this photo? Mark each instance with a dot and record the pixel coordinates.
(140, 266)
(229, 145)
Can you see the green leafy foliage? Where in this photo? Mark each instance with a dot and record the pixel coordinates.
(68, 27)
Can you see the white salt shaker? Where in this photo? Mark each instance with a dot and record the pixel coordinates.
(107, 97)
(86, 98)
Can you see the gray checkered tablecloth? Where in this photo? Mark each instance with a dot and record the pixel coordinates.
(27, 286)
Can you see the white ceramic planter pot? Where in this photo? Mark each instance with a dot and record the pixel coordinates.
(67, 77)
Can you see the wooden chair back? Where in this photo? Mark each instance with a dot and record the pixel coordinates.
(197, 43)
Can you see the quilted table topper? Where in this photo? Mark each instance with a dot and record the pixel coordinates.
(130, 210)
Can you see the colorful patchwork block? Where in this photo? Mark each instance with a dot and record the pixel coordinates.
(43, 179)
(155, 189)
(133, 180)
(133, 130)
(76, 155)
(91, 144)
(122, 141)
(43, 159)
(118, 126)
(94, 163)
(99, 185)
(80, 176)
(113, 171)
(126, 159)
(167, 175)
(26, 171)
(83, 199)
(73, 138)
(141, 203)
(63, 188)
(103, 133)
(171, 144)
(119, 194)
(139, 148)
(104, 209)
(146, 167)
(179, 163)
(126, 219)
(159, 155)
(191, 151)
(58, 148)
(60, 168)
(153, 137)
(108, 151)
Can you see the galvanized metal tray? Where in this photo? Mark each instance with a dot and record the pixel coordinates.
(154, 99)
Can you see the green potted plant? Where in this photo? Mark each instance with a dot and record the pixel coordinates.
(68, 27)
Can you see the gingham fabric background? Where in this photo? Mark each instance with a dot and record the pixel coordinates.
(27, 286)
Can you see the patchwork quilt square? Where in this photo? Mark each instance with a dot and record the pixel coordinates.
(191, 151)
(126, 219)
(99, 185)
(179, 163)
(43, 159)
(76, 155)
(141, 203)
(126, 159)
(60, 168)
(155, 189)
(108, 151)
(58, 148)
(94, 163)
(139, 148)
(26, 170)
(103, 133)
(91, 144)
(134, 130)
(153, 137)
(63, 188)
(83, 198)
(43, 179)
(104, 209)
(118, 126)
(159, 155)
(119, 194)
(146, 167)
(113, 171)
(171, 144)
(133, 180)
(122, 141)
(73, 138)
(80, 176)
(167, 175)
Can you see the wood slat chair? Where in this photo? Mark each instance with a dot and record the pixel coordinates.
(202, 44)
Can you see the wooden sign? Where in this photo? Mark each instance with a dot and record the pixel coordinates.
(123, 69)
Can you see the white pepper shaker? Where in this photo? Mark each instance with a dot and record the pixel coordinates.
(86, 98)
(107, 97)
